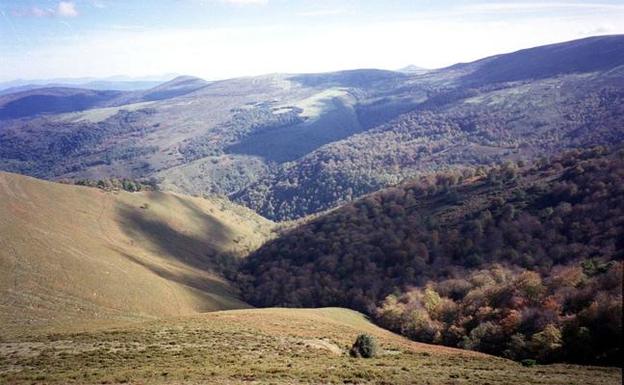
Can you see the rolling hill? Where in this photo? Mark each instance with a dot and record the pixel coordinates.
(117, 83)
(262, 346)
(593, 54)
(70, 254)
(35, 101)
(479, 206)
(51, 100)
(178, 86)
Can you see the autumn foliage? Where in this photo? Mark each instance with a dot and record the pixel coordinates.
(571, 314)
(517, 260)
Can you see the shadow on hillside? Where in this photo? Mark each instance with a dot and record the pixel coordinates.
(287, 143)
(31, 105)
(171, 244)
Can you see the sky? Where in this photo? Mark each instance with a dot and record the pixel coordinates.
(217, 39)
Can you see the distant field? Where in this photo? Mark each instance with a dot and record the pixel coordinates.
(96, 115)
(70, 253)
(264, 346)
(331, 116)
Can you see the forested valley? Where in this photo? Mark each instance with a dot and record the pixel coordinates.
(519, 260)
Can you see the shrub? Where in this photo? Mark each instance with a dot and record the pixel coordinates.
(365, 346)
(547, 343)
(528, 362)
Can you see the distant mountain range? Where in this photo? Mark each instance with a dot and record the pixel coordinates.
(119, 83)
(288, 145)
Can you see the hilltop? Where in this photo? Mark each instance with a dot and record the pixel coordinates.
(476, 209)
(51, 100)
(592, 54)
(72, 254)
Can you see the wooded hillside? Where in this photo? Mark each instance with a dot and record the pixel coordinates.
(517, 260)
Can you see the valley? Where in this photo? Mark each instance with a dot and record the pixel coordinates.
(469, 219)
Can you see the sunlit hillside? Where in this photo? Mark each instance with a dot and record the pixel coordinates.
(70, 253)
(263, 346)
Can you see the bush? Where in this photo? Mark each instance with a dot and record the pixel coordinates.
(365, 346)
(528, 362)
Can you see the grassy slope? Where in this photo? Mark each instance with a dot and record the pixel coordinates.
(77, 253)
(331, 117)
(276, 346)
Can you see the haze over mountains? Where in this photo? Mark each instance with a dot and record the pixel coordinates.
(291, 145)
(119, 83)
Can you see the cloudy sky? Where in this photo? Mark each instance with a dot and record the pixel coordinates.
(218, 39)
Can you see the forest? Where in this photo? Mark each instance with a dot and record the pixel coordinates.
(43, 147)
(519, 260)
(453, 128)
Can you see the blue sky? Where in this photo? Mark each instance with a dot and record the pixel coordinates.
(218, 39)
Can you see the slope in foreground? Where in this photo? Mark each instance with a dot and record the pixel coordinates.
(79, 253)
(263, 346)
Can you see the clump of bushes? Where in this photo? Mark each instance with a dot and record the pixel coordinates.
(365, 346)
(116, 184)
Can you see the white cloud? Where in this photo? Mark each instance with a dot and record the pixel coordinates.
(63, 9)
(98, 4)
(240, 3)
(246, 2)
(32, 12)
(66, 9)
(322, 12)
(541, 6)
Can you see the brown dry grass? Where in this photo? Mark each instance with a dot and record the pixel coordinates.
(262, 346)
(70, 254)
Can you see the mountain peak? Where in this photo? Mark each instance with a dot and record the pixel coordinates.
(182, 81)
(178, 86)
(413, 69)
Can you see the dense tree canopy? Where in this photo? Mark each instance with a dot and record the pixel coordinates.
(528, 228)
